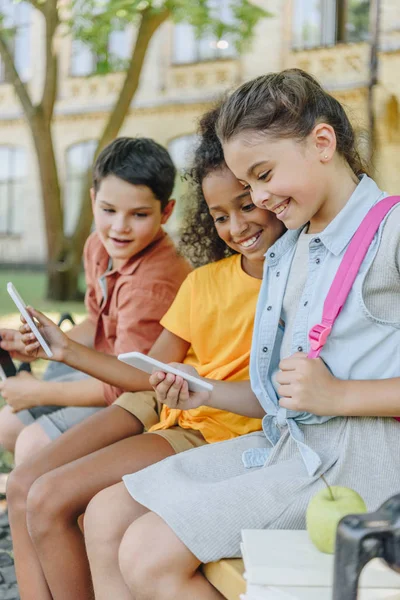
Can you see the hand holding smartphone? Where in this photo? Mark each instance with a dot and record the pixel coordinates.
(20, 304)
(148, 364)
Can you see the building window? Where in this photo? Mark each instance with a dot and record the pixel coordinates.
(17, 18)
(13, 175)
(327, 22)
(79, 161)
(189, 48)
(181, 150)
(85, 62)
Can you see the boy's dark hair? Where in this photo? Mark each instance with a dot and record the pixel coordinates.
(288, 104)
(199, 240)
(140, 161)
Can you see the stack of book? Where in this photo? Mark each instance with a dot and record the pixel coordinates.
(285, 565)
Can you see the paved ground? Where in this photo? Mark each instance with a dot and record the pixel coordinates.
(8, 584)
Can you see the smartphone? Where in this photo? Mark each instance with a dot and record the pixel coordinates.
(148, 364)
(22, 309)
(7, 367)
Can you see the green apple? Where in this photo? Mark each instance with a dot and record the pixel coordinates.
(324, 512)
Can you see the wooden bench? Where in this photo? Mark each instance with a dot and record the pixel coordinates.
(227, 576)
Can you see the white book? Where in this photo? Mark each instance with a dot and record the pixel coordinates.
(289, 559)
(263, 592)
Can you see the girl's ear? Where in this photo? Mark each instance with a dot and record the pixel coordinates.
(324, 139)
(167, 212)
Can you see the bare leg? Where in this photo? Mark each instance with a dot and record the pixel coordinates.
(31, 439)
(10, 428)
(57, 499)
(103, 537)
(98, 431)
(156, 564)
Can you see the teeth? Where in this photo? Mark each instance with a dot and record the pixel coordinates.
(281, 207)
(249, 242)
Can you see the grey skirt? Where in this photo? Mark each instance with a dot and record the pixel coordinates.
(207, 496)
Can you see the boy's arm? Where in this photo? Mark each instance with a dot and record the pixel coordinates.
(25, 391)
(86, 392)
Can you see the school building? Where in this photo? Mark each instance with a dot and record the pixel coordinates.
(181, 77)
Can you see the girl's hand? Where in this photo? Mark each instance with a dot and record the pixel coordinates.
(307, 385)
(53, 335)
(21, 391)
(174, 391)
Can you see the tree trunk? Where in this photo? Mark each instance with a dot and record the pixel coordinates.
(374, 15)
(62, 265)
(62, 284)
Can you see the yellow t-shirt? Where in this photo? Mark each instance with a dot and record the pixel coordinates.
(214, 311)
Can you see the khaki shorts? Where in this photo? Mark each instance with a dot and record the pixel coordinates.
(144, 406)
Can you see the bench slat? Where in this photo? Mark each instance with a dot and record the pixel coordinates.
(227, 576)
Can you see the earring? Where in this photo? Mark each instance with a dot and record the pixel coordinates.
(326, 156)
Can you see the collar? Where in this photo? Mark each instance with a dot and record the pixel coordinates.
(339, 232)
(281, 246)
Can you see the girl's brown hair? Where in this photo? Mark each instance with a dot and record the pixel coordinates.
(288, 104)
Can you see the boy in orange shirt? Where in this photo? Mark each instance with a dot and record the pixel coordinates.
(132, 272)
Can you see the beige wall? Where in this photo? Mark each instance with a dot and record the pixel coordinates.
(172, 97)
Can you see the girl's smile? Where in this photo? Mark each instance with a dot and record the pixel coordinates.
(250, 242)
(243, 226)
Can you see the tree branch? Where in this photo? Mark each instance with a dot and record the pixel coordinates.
(148, 25)
(49, 95)
(14, 79)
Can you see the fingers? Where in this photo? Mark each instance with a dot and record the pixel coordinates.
(8, 334)
(156, 377)
(7, 345)
(288, 403)
(31, 345)
(292, 362)
(28, 338)
(43, 320)
(171, 389)
(285, 377)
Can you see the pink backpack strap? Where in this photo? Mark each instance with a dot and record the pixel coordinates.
(347, 273)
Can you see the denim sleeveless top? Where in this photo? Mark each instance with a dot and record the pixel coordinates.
(359, 346)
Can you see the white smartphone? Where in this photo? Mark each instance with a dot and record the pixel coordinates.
(22, 309)
(148, 364)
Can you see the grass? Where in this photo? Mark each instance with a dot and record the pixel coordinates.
(32, 287)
